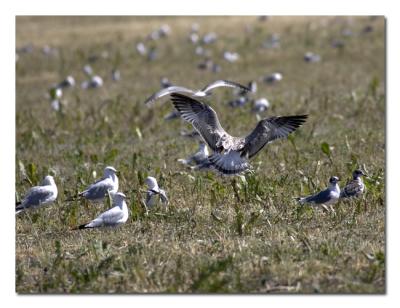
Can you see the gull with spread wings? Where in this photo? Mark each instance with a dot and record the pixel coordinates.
(231, 154)
(200, 93)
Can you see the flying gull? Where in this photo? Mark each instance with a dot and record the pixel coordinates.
(113, 217)
(153, 192)
(231, 154)
(99, 189)
(355, 187)
(200, 93)
(328, 196)
(39, 195)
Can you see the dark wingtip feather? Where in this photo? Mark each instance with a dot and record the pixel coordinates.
(83, 226)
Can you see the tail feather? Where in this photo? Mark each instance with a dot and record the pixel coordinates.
(83, 226)
(229, 163)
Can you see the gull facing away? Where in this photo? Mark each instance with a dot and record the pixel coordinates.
(198, 158)
(200, 93)
(328, 196)
(99, 189)
(355, 187)
(154, 192)
(38, 196)
(113, 217)
(231, 154)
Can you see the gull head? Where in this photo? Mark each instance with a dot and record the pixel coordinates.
(48, 180)
(334, 180)
(357, 173)
(109, 171)
(151, 182)
(119, 196)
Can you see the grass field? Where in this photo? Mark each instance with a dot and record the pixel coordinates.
(218, 235)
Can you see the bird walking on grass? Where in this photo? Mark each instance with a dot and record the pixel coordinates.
(39, 196)
(328, 196)
(154, 193)
(113, 217)
(354, 187)
(102, 187)
(231, 154)
(199, 93)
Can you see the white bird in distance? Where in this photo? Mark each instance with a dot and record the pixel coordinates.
(231, 154)
(113, 217)
(38, 196)
(207, 90)
(99, 189)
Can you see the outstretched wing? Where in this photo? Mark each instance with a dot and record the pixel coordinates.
(223, 83)
(167, 91)
(203, 118)
(270, 129)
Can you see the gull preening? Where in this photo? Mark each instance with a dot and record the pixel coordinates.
(154, 193)
(113, 217)
(354, 187)
(99, 189)
(38, 196)
(200, 93)
(231, 154)
(328, 196)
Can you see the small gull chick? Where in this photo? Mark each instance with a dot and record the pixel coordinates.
(354, 187)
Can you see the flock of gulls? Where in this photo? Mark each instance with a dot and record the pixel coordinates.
(229, 156)
(218, 150)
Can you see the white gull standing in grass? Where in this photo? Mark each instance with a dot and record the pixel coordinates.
(38, 196)
(113, 217)
(154, 193)
(200, 93)
(102, 187)
(231, 154)
(328, 196)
